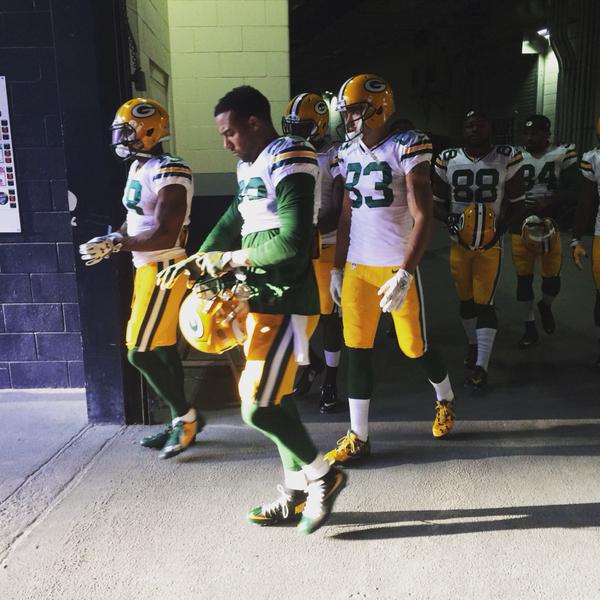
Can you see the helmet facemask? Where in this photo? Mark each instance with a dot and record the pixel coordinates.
(354, 126)
(305, 129)
(124, 142)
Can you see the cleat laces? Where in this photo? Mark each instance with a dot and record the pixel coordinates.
(279, 505)
(314, 501)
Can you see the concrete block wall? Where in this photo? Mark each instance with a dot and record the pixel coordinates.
(40, 339)
(149, 22)
(215, 46)
(550, 86)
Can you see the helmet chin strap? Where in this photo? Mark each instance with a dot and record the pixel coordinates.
(124, 152)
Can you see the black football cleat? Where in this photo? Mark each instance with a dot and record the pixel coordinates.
(530, 337)
(307, 378)
(471, 357)
(477, 379)
(329, 398)
(548, 322)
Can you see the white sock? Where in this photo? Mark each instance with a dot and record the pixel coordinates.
(332, 359)
(548, 299)
(443, 389)
(295, 480)
(526, 308)
(485, 343)
(470, 329)
(359, 417)
(189, 417)
(316, 469)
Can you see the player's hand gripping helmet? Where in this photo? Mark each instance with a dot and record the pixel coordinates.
(365, 100)
(306, 116)
(477, 227)
(212, 318)
(139, 125)
(539, 234)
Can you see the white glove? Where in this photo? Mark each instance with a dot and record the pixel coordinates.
(335, 285)
(394, 291)
(100, 247)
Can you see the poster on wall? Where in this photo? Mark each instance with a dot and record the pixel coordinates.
(10, 221)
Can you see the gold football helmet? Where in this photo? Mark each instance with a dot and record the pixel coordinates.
(139, 125)
(213, 320)
(477, 227)
(538, 234)
(369, 94)
(307, 116)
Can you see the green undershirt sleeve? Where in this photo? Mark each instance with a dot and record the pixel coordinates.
(295, 202)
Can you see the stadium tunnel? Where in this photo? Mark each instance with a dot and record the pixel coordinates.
(69, 64)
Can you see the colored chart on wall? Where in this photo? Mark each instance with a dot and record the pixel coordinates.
(10, 221)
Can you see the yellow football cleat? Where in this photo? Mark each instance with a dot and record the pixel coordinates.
(350, 447)
(444, 418)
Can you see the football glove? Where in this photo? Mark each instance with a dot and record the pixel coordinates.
(335, 285)
(215, 263)
(394, 291)
(190, 267)
(578, 252)
(100, 247)
(452, 223)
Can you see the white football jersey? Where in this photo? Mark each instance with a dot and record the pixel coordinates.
(477, 180)
(329, 170)
(542, 173)
(144, 182)
(375, 179)
(590, 169)
(258, 181)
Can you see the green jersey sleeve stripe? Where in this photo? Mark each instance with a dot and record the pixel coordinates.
(293, 161)
(417, 153)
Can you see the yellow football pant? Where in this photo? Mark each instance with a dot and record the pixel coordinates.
(270, 362)
(267, 381)
(154, 312)
(524, 259)
(596, 261)
(475, 272)
(360, 307)
(322, 267)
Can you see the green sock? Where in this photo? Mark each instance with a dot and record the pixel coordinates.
(163, 371)
(283, 426)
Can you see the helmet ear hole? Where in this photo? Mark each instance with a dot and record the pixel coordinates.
(150, 132)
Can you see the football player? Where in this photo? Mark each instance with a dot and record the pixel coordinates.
(588, 210)
(478, 191)
(307, 116)
(158, 199)
(273, 211)
(382, 234)
(548, 172)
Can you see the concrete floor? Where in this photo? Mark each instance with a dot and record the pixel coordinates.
(507, 507)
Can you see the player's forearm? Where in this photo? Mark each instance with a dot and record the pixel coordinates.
(153, 239)
(328, 221)
(343, 235)
(417, 242)
(581, 218)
